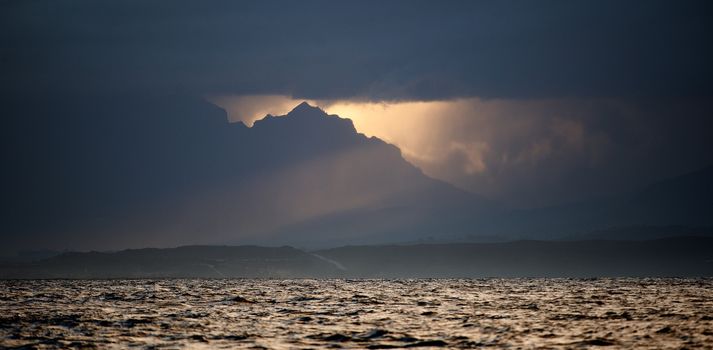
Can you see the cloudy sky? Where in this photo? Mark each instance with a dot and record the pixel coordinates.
(530, 103)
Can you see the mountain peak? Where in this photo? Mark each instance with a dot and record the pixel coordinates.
(305, 119)
(304, 104)
(305, 109)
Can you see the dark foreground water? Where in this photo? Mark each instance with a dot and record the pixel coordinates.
(376, 314)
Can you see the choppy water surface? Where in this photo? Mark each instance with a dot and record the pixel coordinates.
(377, 314)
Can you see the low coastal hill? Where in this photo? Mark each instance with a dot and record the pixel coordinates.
(667, 257)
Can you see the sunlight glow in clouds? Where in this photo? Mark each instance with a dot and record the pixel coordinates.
(416, 127)
(406, 124)
(512, 150)
(465, 141)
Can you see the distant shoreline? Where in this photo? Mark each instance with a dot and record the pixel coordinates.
(665, 257)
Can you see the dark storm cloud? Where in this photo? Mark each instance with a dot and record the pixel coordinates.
(366, 50)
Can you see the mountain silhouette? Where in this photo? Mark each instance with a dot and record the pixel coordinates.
(368, 193)
(677, 206)
(86, 172)
(172, 170)
(131, 172)
(683, 199)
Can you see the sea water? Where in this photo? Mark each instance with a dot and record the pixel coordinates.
(364, 314)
